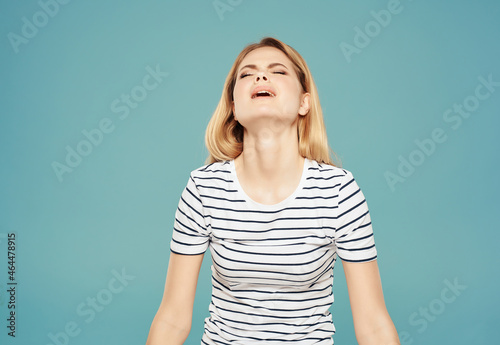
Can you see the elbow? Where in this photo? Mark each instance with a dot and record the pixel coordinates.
(380, 330)
(179, 327)
(176, 323)
(169, 328)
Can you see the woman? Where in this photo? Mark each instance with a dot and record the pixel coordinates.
(275, 212)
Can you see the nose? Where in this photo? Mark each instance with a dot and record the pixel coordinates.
(261, 76)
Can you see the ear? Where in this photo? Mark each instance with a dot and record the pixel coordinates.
(232, 108)
(305, 104)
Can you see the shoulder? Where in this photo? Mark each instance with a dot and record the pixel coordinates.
(330, 172)
(214, 170)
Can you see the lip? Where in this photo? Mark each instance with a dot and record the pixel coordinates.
(263, 88)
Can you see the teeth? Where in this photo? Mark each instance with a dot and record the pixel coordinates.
(264, 93)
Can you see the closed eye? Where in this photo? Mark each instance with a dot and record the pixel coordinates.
(243, 75)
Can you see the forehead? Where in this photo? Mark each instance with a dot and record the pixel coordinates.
(265, 56)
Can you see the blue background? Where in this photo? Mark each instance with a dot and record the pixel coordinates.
(115, 210)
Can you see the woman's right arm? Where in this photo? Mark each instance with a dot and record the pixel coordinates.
(172, 322)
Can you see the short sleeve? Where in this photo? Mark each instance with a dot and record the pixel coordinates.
(354, 233)
(190, 235)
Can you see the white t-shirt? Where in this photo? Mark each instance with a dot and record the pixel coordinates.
(272, 265)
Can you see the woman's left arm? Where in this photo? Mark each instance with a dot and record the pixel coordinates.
(372, 323)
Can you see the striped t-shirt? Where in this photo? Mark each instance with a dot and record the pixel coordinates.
(272, 265)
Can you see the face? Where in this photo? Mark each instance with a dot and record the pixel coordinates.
(267, 89)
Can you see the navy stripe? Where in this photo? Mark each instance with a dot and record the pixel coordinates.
(321, 178)
(271, 264)
(212, 178)
(256, 308)
(355, 249)
(268, 221)
(298, 208)
(317, 197)
(276, 254)
(277, 239)
(360, 260)
(352, 208)
(350, 196)
(355, 239)
(218, 188)
(195, 227)
(351, 222)
(347, 184)
(278, 316)
(183, 253)
(265, 231)
(291, 325)
(221, 199)
(319, 187)
(308, 291)
(187, 244)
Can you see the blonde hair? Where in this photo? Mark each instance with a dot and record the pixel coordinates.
(224, 135)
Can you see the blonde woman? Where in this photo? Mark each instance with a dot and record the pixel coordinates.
(275, 212)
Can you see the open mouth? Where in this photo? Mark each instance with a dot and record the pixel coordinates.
(263, 93)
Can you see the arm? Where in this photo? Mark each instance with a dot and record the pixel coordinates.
(172, 322)
(372, 323)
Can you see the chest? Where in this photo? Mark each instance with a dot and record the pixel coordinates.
(290, 248)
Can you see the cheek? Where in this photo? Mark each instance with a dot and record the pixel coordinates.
(291, 107)
(293, 98)
(238, 94)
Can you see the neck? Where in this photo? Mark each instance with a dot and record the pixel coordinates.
(270, 159)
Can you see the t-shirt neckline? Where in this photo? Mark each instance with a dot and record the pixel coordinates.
(258, 205)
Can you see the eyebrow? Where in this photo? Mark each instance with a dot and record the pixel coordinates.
(274, 64)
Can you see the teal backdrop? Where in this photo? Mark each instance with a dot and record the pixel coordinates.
(103, 111)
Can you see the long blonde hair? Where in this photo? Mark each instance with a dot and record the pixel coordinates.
(224, 135)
